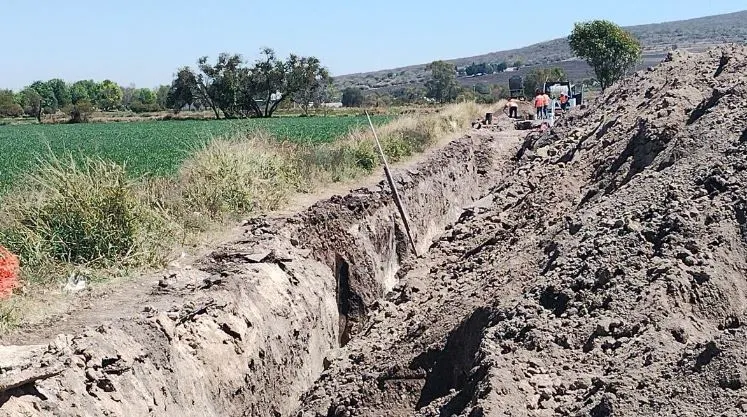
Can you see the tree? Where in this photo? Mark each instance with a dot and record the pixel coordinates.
(241, 91)
(128, 95)
(79, 93)
(500, 67)
(499, 91)
(49, 103)
(162, 93)
(31, 101)
(183, 90)
(352, 97)
(8, 105)
(442, 86)
(110, 96)
(61, 91)
(144, 100)
(311, 79)
(609, 49)
(85, 90)
(537, 78)
(79, 112)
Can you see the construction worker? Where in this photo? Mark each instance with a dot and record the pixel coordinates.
(513, 108)
(563, 101)
(546, 106)
(539, 104)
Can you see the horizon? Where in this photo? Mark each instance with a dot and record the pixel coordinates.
(170, 35)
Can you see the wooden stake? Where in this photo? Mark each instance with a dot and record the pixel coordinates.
(395, 194)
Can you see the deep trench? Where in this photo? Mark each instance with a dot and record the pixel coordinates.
(378, 249)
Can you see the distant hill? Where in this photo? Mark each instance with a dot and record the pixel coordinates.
(657, 38)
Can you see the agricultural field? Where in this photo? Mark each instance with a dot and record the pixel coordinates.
(152, 147)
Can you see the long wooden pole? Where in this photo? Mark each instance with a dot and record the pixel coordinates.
(397, 200)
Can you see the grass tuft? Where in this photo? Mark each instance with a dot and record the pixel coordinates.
(83, 212)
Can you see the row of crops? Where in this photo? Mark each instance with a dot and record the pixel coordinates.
(155, 147)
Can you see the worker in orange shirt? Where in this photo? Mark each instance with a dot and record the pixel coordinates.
(546, 106)
(539, 104)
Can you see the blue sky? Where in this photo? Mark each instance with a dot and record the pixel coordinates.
(145, 41)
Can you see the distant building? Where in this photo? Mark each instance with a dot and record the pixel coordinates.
(336, 105)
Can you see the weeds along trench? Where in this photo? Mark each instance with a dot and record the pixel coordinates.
(251, 327)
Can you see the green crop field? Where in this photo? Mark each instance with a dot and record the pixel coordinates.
(155, 147)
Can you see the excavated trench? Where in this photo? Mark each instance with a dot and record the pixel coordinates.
(250, 329)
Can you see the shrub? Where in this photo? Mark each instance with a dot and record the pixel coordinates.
(81, 213)
(80, 112)
(237, 175)
(11, 110)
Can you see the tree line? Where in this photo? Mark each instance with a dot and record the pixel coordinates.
(49, 97)
(230, 87)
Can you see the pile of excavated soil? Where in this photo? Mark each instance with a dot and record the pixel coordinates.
(606, 275)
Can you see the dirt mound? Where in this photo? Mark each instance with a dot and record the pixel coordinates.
(605, 276)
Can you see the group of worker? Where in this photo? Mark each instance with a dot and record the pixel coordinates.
(542, 103)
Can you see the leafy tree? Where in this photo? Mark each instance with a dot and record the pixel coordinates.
(537, 78)
(84, 90)
(61, 91)
(8, 105)
(442, 86)
(408, 95)
(162, 93)
(500, 67)
(31, 101)
(183, 91)
(49, 103)
(275, 80)
(352, 97)
(517, 64)
(482, 88)
(499, 91)
(378, 99)
(110, 96)
(219, 84)
(144, 100)
(241, 91)
(311, 79)
(609, 49)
